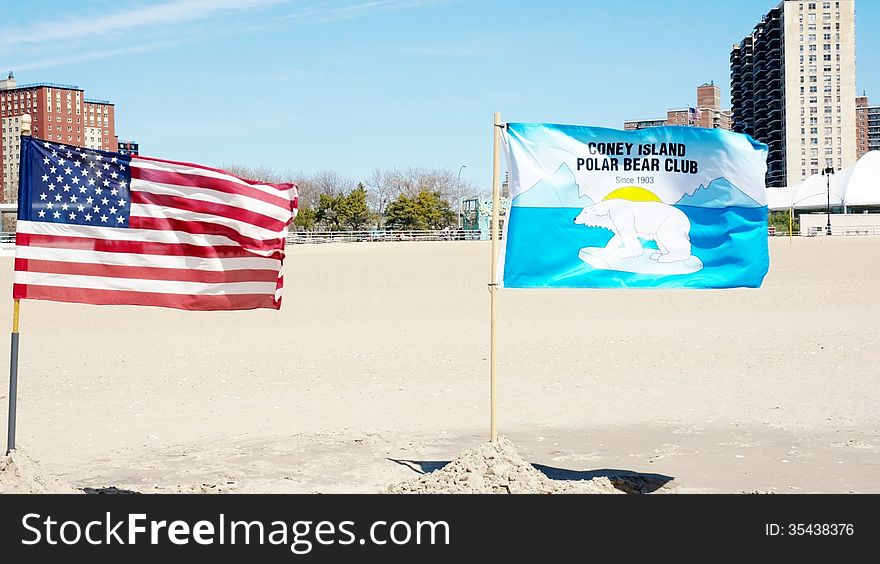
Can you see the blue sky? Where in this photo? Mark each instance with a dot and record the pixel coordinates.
(355, 85)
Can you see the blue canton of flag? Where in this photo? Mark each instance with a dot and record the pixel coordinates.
(75, 186)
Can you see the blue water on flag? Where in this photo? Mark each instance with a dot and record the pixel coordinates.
(716, 236)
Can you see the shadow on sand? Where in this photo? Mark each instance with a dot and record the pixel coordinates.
(112, 490)
(626, 481)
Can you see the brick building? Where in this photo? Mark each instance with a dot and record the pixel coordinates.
(60, 113)
(707, 113)
(867, 126)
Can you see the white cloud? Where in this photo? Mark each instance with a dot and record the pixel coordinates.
(168, 14)
(350, 11)
(62, 60)
(465, 48)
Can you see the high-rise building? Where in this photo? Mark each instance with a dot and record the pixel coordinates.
(874, 128)
(707, 113)
(862, 126)
(60, 113)
(793, 83)
(867, 126)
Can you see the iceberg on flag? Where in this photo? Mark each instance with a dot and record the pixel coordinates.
(668, 207)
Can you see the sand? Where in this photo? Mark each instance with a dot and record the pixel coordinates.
(20, 474)
(375, 371)
(496, 468)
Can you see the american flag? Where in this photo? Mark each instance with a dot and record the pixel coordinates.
(104, 228)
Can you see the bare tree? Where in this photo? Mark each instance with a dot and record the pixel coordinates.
(309, 193)
(383, 186)
(380, 192)
(386, 185)
(260, 173)
(332, 183)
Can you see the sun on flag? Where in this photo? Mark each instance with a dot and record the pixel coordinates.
(105, 228)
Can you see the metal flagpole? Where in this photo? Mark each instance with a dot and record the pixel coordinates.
(493, 286)
(25, 125)
(13, 379)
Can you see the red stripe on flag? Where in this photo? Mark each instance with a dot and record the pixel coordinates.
(145, 273)
(121, 297)
(135, 247)
(200, 228)
(217, 184)
(282, 186)
(209, 208)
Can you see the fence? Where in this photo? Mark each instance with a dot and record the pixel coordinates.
(844, 231)
(309, 237)
(314, 237)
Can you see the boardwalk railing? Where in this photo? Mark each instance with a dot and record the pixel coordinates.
(312, 237)
(844, 231)
(315, 237)
(306, 237)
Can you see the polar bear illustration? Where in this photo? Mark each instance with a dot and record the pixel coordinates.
(668, 226)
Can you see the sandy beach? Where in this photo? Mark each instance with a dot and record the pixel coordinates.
(375, 370)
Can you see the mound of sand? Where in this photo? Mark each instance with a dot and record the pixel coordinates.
(20, 474)
(496, 469)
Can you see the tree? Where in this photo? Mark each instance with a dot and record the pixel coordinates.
(328, 211)
(779, 220)
(305, 218)
(260, 174)
(332, 183)
(344, 210)
(352, 209)
(426, 210)
(380, 193)
(384, 186)
(306, 189)
(402, 214)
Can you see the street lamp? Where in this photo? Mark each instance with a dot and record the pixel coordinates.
(458, 187)
(828, 172)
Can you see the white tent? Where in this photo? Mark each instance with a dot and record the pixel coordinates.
(856, 186)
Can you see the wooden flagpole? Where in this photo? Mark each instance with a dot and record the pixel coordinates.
(25, 124)
(493, 285)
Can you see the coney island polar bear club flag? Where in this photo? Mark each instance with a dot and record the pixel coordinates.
(668, 207)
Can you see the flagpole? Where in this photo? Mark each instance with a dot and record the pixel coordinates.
(790, 224)
(25, 124)
(13, 379)
(493, 286)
